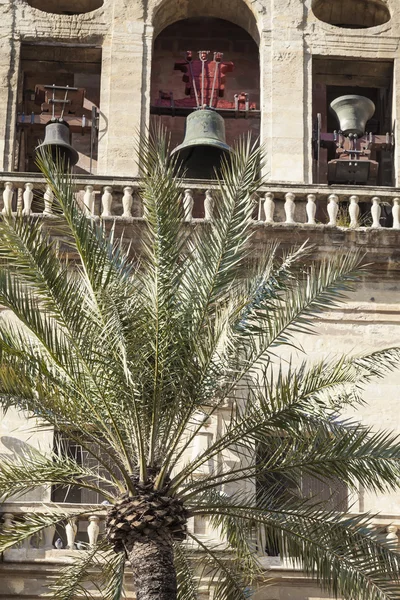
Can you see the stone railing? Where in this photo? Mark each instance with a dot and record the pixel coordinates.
(80, 533)
(383, 526)
(56, 542)
(276, 204)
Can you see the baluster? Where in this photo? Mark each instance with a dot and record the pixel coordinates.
(127, 201)
(190, 524)
(48, 535)
(48, 201)
(376, 212)
(354, 211)
(93, 529)
(392, 536)
(8, 519)
(7, 198)
(396, 213)
(269, 207)
(333, 209)
(188, 203)
(290, 207)
(106, 201)
(208, 206)
(88, 200)
(28, 198)
(26, 544)
(71, 528)
(311, 209)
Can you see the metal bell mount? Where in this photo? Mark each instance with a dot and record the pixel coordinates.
(352, 164)
(57, 133)
(204, 144)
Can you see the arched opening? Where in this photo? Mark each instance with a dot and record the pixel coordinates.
(66, 7)
(171, 101)
(353, 14)
(171, 11)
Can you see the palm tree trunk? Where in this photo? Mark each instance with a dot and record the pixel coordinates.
(153, 569)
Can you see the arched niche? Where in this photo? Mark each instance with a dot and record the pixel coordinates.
(354, 14)
(215, 35)
(66, 7)
(237, 12)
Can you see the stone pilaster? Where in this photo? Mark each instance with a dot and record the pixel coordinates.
(9, 67)
(287, 141)
(124, 102)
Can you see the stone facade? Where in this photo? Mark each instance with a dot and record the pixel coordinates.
(285, 50)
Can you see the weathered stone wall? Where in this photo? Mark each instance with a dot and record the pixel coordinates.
(289, 35)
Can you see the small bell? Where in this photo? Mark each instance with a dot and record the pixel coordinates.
(204, 144)
(57, 139)
(352, 112)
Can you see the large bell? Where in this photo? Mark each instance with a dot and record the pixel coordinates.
(204, 144)
(57, 139)
(353, 112)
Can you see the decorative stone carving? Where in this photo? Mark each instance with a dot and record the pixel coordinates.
(48, 201)
(354, 211)
(7, 198)
(396, 213)
(290, 207)
(208, 206)
(188, 203)
(333, 209)
(269, 207)
(311, 209)
(88, 200)
(376, 212)
(28, 198)
(106, 201)
(127, 201)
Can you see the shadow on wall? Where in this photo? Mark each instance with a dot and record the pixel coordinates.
(66, 7)
(353, 14)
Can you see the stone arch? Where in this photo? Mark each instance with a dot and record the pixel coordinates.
(166, 12)
(352, 13)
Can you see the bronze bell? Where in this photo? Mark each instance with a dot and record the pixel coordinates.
(57, 139)
(352, 112)
(204, 144)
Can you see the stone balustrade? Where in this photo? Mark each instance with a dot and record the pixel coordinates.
(74, 534)
(78, 534)
(275, 205)
(384, 531)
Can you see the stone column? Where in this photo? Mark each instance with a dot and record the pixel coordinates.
(265, 97)
(9, 66)
(125, 94)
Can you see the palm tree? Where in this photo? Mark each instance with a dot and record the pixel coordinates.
(130, 357)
